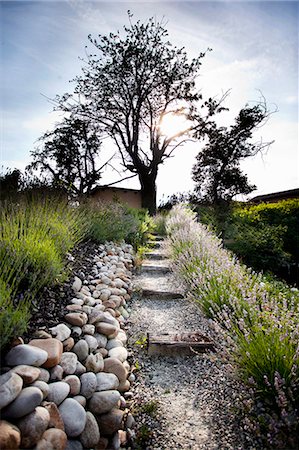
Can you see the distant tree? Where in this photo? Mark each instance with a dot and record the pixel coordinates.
(10, 182)
(68, 156)
(217, 172)
(127, 88)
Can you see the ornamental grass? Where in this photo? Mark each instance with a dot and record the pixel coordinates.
(259, 318)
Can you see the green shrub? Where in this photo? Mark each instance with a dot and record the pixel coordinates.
(159, 223)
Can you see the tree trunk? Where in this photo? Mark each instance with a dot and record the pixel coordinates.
(148, 192)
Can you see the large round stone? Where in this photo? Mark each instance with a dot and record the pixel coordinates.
(111, 422)
(28, 373)
(68, 362)
(94, 363)
(106, 328)
(55, 417)
(44, 387)
(61, 332)
(10, 436)
(113, 365)
(77, 319)
(92, 342)
(73, 416)
(91, 434)
(101, 339)
(52, 439)
(53, 347)
(10, 386)
(26, 354)
(88, 384)
(74, 383)
(81, 349)
(24, 404)
(104, 401)
(58, 392)
(112, 343)
(119, 353)
(33, 426)
(106, 381)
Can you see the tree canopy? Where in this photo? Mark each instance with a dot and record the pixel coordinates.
(68, 156)
(128, 85)
(217, 172)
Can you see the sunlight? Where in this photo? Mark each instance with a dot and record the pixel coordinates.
(172, 124)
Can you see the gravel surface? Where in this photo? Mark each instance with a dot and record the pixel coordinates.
(189, 402)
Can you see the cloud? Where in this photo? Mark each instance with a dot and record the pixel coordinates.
(41, 124)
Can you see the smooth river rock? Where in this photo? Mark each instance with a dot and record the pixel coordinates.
(33, 426)
(74, 383)
(106, 381)
(94, 363)
(26, 354)
(58, 392)
(61, 332)
(55, 417)
(10, 436)
(111, 422)
(53, 347)
(28, 373)
(120, 353)
(104, 401)
(91, 434)
(113, 365)
(52, 439)
(69, 362)
(81, 349)
(25, 403)
(10, 386)
(73, 416)
(88, 384)
(44, 387)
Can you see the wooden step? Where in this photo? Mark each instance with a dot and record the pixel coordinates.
(174, 344)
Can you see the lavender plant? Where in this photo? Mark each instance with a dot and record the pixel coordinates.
(260, 320)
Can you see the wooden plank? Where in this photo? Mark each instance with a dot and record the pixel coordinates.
(172, 344)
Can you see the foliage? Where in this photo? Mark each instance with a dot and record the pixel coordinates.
(117, 222)
(69, 156)
(217, 172)
(159, 223)
(258, 318)
(9, 182)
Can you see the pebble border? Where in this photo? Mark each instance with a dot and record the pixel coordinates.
(67, 388)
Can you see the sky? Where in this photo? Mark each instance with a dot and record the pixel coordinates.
(254, 51)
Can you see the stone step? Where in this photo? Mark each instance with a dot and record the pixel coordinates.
(154, 244)
(156, 255)
(145, 268)
(183, 344)
(161, 294)
(158, 237)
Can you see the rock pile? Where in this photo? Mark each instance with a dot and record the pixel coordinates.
(66, 388)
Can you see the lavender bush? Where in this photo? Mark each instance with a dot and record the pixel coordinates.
(260, 321)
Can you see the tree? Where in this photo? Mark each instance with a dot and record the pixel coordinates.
(69, 156)
(127, 88)
(217, 172)
(10, 183)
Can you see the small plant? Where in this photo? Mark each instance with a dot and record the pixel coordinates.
(143, 436)
(150, 408)
(141, 342)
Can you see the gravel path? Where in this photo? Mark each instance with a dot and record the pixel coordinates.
(186, 402)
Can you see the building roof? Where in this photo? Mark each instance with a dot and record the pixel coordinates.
(112, 188)
(282, 195)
